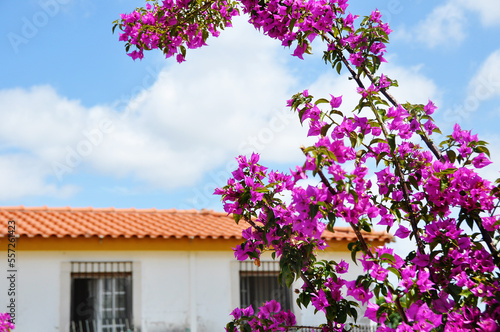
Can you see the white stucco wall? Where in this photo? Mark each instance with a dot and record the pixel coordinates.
(175, 291)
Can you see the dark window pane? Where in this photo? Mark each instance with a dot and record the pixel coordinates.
(83, 304)
(257, 288)
(98, 303)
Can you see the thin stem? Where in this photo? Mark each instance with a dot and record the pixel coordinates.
(302, 275)
(355, 76)
(354, 227)
(489, 242)
(404, 187)
(308, 283)
(401, 310)
(434, 149)
(251, 222)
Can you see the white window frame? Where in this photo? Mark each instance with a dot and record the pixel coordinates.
(236, 291)
(65, 296)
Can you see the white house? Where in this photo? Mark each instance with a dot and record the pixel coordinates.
(107, 270)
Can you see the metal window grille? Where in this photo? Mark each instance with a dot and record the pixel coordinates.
(100, 269)
(260, 284)
(101, 297)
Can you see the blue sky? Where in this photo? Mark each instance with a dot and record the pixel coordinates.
(81, 124)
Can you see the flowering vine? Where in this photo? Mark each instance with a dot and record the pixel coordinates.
(426, 191)
(5, 323)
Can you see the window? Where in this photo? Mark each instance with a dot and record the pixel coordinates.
(260, 284)
(101, 297)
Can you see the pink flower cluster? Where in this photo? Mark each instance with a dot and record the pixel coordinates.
(451, 281)
(172, 25)
(270, 317)
(169, 27)
(5, 323)
(436, 187)
(246, 195)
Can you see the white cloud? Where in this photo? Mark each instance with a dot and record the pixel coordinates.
(491, 172)
(414, 87)
(488, 10)
(196, 116)
(486, 82)
(444, 26)
(483, 86)
(447, 24)
(228, 98)
(22, 175)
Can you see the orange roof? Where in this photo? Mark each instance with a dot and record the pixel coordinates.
(139, 223)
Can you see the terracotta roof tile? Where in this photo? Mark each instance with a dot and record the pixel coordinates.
(110, 222)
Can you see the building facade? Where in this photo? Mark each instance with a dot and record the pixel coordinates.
(110, 270)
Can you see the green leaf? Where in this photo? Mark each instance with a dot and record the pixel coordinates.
(436, 130)
(380, 156)
(447, 171)
(377, 140)
(391, 140)
(204, 35)
(359, 139)
(470, 222)
(381, 310)
(452, 156)
(483, 149)
(339, 67)
(394, 271)
(353, 138)
(354, 313)
(354, 195)
(366, 227)
(313, 210)
(237, 217)
(324, 129)
(383, 289)
(331, 217)
(413, 181)
(321, 101)
(353, 256)
(388, 257)
(336, 112)
(289, 280)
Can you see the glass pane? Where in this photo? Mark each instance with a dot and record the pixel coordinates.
(120, 284)
(108, 284)
(120, 301)
(120, 314)
(101, 303)
(107, 301)
(107, 314)
(255, 290)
